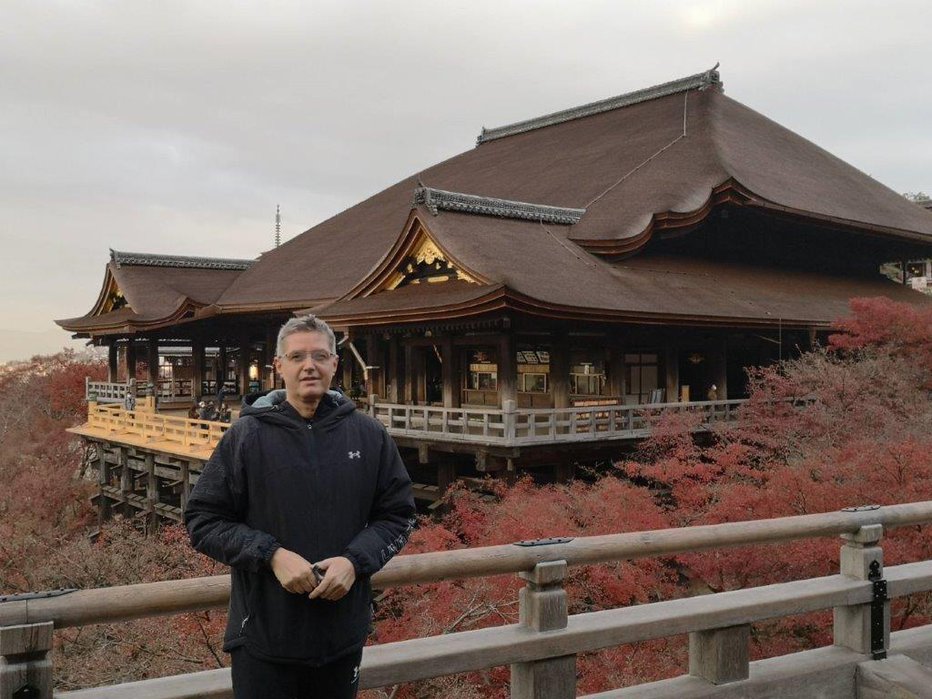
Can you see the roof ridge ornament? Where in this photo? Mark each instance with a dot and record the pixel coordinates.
(699, 81)
(437, 199)
(144, 259)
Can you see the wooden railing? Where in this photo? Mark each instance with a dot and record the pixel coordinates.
(513, 426)
(542, 648)
(106, 392)
(152, 426)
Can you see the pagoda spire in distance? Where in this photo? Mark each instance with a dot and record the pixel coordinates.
(278, 225)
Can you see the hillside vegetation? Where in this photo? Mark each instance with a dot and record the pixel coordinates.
(865, 436)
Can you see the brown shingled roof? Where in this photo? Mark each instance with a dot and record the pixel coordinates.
(537, 269)
(157, 289)
(631, 168)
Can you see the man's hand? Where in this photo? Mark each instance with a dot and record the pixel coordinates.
(338, 578)
(293, 572)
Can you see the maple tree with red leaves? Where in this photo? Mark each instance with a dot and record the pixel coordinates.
(843, 425)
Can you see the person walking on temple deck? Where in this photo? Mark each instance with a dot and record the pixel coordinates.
(305, 498)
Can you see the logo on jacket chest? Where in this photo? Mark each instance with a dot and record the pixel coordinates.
(355, 454)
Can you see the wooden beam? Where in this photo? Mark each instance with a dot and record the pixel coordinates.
(507, 368)
(130, 349)
(898, 677)
(113, 367)
(152, 360)
(560, 369)
(450, 370)
(197, 363)
(542, 607)
(720, 656)
(24, 660)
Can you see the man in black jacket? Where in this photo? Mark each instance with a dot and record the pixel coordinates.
(305, 499)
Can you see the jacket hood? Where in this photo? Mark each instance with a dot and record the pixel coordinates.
(272, 407)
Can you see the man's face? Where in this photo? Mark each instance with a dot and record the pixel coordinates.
(306, 379)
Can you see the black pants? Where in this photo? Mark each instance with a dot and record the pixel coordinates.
(258, 679)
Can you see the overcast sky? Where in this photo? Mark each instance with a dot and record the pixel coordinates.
(177, 126)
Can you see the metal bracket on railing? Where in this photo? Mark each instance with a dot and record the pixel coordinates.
(544, 542)
(22, 596)
(878, 603)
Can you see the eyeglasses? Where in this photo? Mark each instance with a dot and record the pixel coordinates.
(316, 356)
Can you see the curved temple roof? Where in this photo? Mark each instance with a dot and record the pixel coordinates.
(142, 290)
(536, 207)
(655, 159)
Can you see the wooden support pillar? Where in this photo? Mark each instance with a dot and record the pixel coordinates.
(507, 368)
(25, 665)
(861, 556)
(197, 364)
(542, 607)
(560, 370)
(382, 376)
(722, 370)
(103, 479)
(130, 359)
(221, 366)
(395, 374)
(616, 371)
(185, 483)
(451, 380)
(671, 363)
(271, 351)
(126, 482)
(152, 359)
(446, 475)
(347, 360)
(720, 656)
(152, 492)
(408, 394)
(242, 366)
(813, 338)
(113, 368)
(564, 471)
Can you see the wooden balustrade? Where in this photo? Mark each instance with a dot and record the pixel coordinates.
(155, 427)
(543, 646)
(513, 426)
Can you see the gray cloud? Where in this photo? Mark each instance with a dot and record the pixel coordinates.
(177, 126)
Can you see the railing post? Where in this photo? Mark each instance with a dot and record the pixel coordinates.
(373, 399)
(543, 608)
(508, 418)
(152, 492)
(720, 656)
(862, 559)
(24, 661)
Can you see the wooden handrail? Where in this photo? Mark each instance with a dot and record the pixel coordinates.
(423, 658)
(174, 596)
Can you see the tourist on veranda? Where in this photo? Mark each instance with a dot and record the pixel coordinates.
(305, 498)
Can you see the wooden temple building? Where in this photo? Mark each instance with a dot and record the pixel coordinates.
(513, 306)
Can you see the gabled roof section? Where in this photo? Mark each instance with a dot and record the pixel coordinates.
(416, 257)
(699, 81)
(658, 160)
(142, 291)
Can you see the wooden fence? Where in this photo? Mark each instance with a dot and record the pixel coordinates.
(513, 426)
(542, 648)
(154, 427)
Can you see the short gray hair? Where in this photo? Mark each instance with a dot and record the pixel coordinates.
(305, 324)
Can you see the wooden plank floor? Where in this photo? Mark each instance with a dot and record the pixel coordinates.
(199, 452)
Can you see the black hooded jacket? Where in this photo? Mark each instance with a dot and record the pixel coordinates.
(331, 486)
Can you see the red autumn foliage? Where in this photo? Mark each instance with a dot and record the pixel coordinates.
(842, 426)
